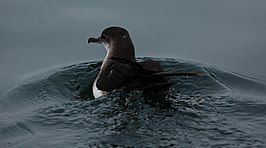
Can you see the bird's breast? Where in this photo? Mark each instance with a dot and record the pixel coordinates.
(96, 92)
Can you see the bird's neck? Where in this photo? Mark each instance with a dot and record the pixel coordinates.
(127, 53)
(124, 50)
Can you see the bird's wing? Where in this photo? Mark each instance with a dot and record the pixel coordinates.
(169, 74)
(151, 66)
(146, 66)
(127, 61)
(114, 76)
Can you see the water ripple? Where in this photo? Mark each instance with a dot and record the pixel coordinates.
(56, 109)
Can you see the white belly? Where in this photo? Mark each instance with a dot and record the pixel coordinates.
(96, 92)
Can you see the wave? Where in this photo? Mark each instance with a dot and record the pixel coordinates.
(56, 108)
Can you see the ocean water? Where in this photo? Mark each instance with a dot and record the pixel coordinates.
(55, 108)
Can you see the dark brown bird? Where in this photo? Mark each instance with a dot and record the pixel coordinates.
(120, 71)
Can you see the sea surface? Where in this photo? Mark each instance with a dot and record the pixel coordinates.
(55, 108)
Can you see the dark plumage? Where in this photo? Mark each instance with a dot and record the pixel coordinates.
(120, 71)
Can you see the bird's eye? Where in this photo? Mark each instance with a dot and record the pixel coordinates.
(103, 36)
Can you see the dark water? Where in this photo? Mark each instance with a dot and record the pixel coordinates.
(218, 109)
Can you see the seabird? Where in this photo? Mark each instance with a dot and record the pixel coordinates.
(121, 71)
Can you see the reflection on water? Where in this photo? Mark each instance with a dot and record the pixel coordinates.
(56, 109)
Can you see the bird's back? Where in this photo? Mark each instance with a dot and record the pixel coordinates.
(127, 75)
